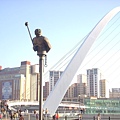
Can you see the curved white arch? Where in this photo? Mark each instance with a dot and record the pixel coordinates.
(63, 83)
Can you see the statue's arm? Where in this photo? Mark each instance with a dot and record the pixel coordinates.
(34, 41)
(35, 46)
(47, 43)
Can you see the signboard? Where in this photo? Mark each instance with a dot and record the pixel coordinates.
(7, 90)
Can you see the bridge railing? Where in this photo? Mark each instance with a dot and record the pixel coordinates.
(18, 102)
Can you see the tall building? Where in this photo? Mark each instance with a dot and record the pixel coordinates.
(93, 78)
(82, 84)
(115, 93)
(71, 94)
(73, 90)
(81, 78)
(25, 70)
(53, 78)
(45, 90)
(104, 89)
(34, 82)
(12, 84)
(116, 90)
(19, 83)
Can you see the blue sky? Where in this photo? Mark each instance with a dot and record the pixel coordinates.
(63, 22)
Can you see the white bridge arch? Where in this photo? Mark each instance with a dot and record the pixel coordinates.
(63, 83)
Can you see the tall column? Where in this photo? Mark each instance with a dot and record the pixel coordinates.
(41, 59)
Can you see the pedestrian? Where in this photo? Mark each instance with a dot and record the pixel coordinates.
(0, 116)
(53, 117)
(11, 116)
(34, 111)
(20, 112)
(37, 116)
(98, 116)
(21, 117)
(80, 116)
(17, 115)
(65, 117)
(57, 116)
(14, 115)
(81, 110)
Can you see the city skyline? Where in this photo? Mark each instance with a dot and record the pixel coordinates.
(65, 23)
(47, 80)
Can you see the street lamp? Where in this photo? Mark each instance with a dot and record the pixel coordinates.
(42, 46)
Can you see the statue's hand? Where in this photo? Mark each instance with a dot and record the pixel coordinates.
(35, 48)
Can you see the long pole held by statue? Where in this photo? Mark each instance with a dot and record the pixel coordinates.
(41, 52)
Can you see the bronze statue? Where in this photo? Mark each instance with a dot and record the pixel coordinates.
(40, 43)
(42, 46)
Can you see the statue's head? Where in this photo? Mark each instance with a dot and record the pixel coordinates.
(38, 32)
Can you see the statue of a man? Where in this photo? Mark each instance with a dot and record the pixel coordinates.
(40, 43)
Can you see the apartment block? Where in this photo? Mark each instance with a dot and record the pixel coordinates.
(93, 78)
(115, 93)
(45, 90)
(104, 88)
(82, 84)
(53, 78)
